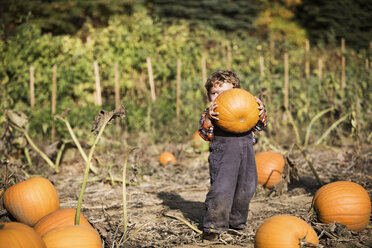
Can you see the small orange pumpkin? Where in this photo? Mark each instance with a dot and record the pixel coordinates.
(238, 110)
(269, 168)
(72, 236)
(166, 158)
(60, 217)
(344, 202)
(196, 140)
(284, 231)
(30, 200)
(19, 235)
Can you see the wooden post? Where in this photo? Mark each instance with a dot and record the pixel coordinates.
(262, 66)
(367, 64)
(151, 79)
(98, 84)
(272, 54)
(286, 80)
(307, 58)
(229, 57)
(204, 68)
(178, 100)
(32, 86)
(320, 68)
(343, 64)
(117, 89)
(54, 101)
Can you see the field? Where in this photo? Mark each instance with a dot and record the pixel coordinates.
(158, 196)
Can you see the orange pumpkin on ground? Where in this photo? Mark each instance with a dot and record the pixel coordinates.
(269, 168)
(30, 200)
(238, 110)
(19, 235)
(166, 158)
(72, 236)
(344, 202)
(60, 217)
(284, 231)
(196, 140)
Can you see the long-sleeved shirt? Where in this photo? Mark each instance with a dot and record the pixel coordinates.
(207, 133)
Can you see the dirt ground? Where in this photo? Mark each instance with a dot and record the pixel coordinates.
(158, 197)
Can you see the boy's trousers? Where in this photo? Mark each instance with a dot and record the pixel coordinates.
(233, 176)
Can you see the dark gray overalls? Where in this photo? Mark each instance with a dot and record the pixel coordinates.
(233, 176)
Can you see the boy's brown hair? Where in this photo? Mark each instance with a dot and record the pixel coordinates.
(222, 76)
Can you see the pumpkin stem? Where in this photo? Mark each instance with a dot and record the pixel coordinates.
(305, 244)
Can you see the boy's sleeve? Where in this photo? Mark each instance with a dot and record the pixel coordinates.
(262, 122)
(204, 131)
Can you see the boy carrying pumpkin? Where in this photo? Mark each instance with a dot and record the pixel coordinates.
(232, 166)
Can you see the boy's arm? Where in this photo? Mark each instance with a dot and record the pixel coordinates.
(206, 127)
(262, 121)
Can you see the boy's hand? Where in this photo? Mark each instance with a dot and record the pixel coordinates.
(261, 107)
(211, 113)
(262, 114)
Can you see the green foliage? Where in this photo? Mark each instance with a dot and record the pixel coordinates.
(129, 40)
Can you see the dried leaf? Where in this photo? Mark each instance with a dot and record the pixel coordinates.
(17, 118)
(107, 116)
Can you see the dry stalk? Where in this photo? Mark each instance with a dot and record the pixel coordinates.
(183, 220)
(310, 164)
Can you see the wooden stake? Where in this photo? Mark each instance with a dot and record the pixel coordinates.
(229, 57)
(343, 64)
(286, 80)
(204, 68)
(320, 68)
(367, 64)
(151, 79)
(117, 89)
(307, 58)
(262, 66)
(98, 84)
(272, 54)
(54, 101)
(178, 109)
(32, 86)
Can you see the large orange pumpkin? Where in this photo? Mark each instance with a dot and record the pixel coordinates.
(166, 157)
(284, 231)
(60, 217)
(30, 200)
(19, 235)
(269, 168)
(238, 110)
(344, 202)
(71, 237)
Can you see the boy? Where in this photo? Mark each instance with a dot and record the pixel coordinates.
(232, 165)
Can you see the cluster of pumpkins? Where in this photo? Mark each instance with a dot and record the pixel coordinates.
(343, 202)
(41, 223)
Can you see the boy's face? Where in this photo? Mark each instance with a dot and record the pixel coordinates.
(218, 89)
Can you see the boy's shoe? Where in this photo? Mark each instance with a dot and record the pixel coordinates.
(210, 236)
(238, 227)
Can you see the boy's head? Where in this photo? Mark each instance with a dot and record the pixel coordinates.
(220, 81)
